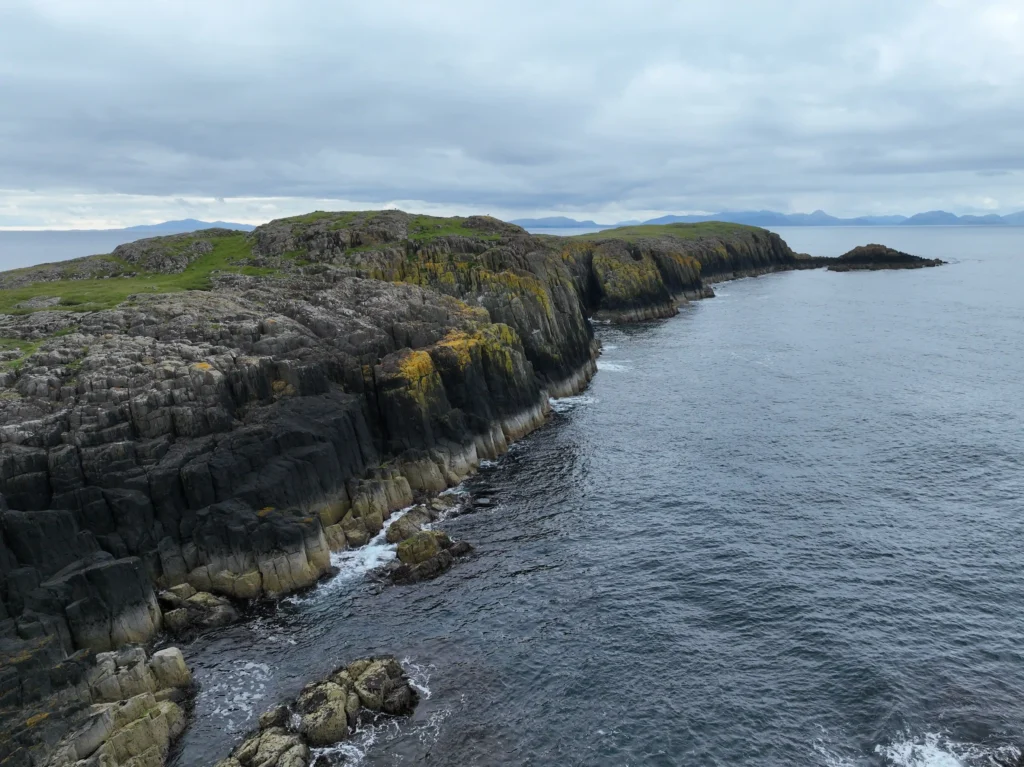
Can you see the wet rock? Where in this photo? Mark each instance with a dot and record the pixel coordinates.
(422, 546)
(326, 712)
(323, 716)
(434, 565)
(198, 610)
(408, 525)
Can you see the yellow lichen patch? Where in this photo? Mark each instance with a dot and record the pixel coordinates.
(572, 251)
(417, 368)
(461, 343)
(624, 280)
(282, 388)
(264, 511)
(32, 721)
(521, 284)
(203, 366)
(416, 365)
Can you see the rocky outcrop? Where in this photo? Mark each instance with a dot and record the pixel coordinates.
(326, 712)
(425, 555)
(114, 708)
(875, 257)
(187, 610)
(339, 367)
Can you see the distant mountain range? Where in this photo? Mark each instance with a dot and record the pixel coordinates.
(184, 225)
(771, 218)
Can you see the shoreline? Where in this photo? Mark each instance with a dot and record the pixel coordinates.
(186, 448)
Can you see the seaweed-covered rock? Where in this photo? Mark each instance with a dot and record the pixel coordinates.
(422, 546)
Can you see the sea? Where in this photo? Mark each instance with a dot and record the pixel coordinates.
(782, 528)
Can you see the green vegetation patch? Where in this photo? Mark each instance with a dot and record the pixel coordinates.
(25, 349)
(229, 250)
(703, 230)
(426, 228)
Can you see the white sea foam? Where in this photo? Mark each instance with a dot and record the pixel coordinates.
(609, 347)
(355, 563)
(613, 367)
(937, 750)
(237, 692)
(419, 676)
(565, 404)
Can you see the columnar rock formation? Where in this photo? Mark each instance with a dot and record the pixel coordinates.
(335, 367)
(111, 709)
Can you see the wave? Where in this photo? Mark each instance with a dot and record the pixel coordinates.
(613, 367)
(385, 730)
(937, 750)
(565, 404)
(355, 563)
(238, 690)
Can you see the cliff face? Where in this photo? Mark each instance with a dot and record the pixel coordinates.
(226, 409)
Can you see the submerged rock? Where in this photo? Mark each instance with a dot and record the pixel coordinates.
(327, 712)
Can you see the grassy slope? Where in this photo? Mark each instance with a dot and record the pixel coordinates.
(106, 292)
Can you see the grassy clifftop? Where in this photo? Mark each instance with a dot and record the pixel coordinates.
(104, 281)
(459, 255)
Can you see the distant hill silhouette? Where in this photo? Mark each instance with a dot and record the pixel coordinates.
(186, 225)
(772, 218)
(554, 222)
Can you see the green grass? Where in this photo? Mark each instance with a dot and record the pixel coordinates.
(339, 219)
(105, 293)
(676, 231)
(426, 228)
(26, 348)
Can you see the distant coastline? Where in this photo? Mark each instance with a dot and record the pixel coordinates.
(768, 218)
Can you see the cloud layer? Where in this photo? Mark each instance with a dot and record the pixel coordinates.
(252, 109)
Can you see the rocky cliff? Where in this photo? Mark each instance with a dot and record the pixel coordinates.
(225, 409)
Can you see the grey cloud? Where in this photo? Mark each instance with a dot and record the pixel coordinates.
(526, 106)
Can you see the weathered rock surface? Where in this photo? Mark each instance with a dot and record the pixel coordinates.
(186, 609)
(229, 439)
(114, 708)
(326, 712)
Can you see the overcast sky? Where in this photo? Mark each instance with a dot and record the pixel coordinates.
(116, 112)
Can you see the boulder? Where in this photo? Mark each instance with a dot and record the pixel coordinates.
(408, 525)
(326, 711)
(169, 667)
(324, 719)
(422, 546)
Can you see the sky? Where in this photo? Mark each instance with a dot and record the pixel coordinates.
(116, 112)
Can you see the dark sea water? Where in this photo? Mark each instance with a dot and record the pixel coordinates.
(783, 528)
